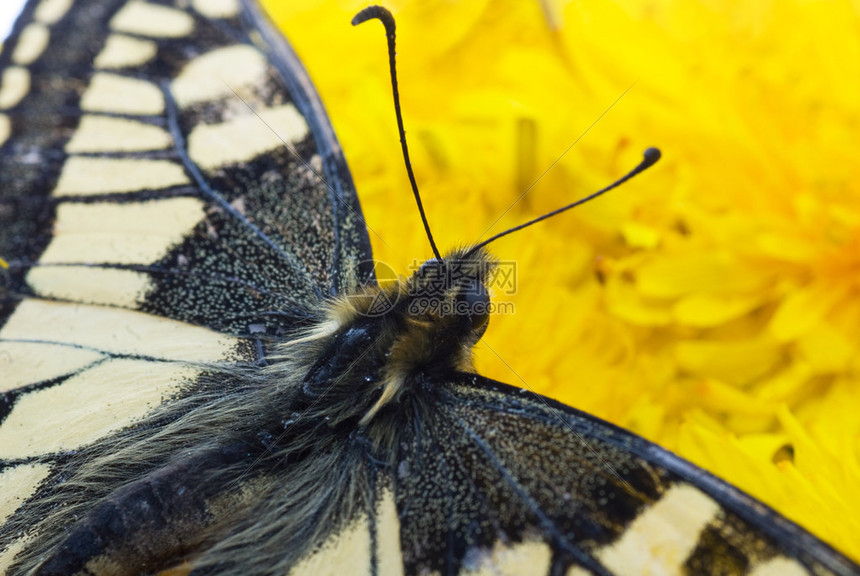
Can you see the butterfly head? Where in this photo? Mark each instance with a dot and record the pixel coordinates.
(451, 293)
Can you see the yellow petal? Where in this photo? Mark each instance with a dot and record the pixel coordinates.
(722, 397)
(826, 350)
(681, 275)
(803, 309)
(706, 310)
(735, 362)
(639, 235)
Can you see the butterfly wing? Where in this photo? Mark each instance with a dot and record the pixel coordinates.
(498, 479)
(574, 478)
(171, 193)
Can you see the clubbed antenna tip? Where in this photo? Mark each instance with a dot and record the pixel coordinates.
(384, 16)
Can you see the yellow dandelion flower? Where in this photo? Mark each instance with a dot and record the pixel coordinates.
(712, 304)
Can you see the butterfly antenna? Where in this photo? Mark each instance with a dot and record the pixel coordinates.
(387, 20)
(650, 157)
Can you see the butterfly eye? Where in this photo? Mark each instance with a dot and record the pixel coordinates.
(473, 302)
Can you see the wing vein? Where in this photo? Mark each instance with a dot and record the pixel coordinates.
(548, 525)
(179, 143)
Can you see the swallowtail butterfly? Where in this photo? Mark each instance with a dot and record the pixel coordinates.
(201, 374)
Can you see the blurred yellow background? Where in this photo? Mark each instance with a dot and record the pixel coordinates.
(713, 303)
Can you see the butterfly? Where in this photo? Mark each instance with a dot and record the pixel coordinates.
(201, 374)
